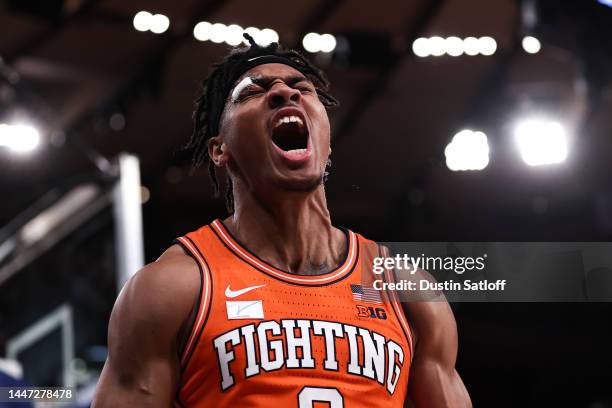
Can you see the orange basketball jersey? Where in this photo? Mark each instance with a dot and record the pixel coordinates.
(263, 337)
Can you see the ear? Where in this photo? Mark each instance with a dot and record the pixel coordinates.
(217, 150)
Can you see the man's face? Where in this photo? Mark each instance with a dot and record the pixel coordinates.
(275, 130)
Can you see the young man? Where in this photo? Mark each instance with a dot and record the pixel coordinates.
(273, 305)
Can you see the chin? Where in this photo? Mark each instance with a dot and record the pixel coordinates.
(301, 184)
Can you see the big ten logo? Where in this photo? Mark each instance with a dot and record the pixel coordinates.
(371, 312)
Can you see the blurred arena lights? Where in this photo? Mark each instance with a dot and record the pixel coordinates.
(437, 46)
(541, 141)
(218, 33)
(156, 23)
(266, 37)
(19, 138)
(453, 46)
(232, 34)
(142, 21)
(314, 42)
(488, 45)
(471, 46)
(605, 2)
(469, 150)
(531, 45)
(159, 23)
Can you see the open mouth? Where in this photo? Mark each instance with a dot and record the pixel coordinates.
(290, 134)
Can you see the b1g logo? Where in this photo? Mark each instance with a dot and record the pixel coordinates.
(371, 312)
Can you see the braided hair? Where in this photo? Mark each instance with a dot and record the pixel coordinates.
(215, 89)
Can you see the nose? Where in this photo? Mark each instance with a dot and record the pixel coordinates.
(281, 94)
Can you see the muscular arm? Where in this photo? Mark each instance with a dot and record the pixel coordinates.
(142, 368)
(434, 381)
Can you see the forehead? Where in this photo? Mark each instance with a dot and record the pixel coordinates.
(271, 70)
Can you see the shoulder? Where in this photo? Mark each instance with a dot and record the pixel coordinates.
(143, 335)
(174, 273)
(159, 295)
(366, 245)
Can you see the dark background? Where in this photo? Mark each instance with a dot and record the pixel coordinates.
(80, 62)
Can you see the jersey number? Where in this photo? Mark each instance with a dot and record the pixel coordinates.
(309, 395)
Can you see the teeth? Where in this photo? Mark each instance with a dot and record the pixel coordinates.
(290, 119)
(296, 151)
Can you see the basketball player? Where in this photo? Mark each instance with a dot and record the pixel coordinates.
(272, 306)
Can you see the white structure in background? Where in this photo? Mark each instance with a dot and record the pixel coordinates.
(531, 45)
(469, 150)
(314, 42)
(19, 138)
(156, 23)
(541, 141)
(35, 333)
(12, 368)
(605, 2)
(128, 219)
(453, 46)
(232, 34)
(53, 217)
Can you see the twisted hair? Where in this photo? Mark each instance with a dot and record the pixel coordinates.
(214, 92)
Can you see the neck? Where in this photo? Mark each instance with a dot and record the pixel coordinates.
(292, 231)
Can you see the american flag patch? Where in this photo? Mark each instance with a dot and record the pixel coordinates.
(365, 295)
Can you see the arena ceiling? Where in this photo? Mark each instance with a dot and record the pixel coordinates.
(80, 62)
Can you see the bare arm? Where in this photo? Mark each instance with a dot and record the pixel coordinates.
(434, 381)
(142, 368)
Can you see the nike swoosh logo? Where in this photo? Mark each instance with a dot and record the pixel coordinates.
(233, 293)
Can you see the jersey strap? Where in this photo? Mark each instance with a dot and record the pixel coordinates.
(204, 299)
(395, 302)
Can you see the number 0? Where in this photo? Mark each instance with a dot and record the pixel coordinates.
(309, 395)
